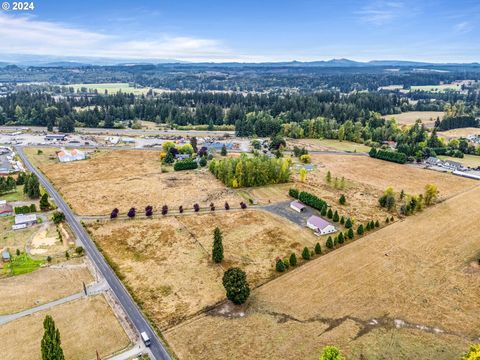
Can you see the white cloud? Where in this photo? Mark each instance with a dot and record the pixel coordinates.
(380, 12)
(463, 27)
(27, 35)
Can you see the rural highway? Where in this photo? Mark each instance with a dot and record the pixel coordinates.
(130, 307)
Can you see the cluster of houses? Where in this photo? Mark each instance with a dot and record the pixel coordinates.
(474, 138)
(8, 164)
(445, 164)
(319, 225)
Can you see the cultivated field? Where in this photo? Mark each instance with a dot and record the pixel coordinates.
(381, 174)
(86, 325)
(458, 133)
(43, 286)
(111, 88)
(410, 117)
(166, 263)
(327, 145)
(126, 178)
(408, 291)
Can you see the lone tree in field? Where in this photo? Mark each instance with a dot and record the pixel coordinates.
(342, 200)
(58, 217)
(217, 250)
(223, 152)
(306, 253)
(44, 203)
(51, 344)
(236, 285)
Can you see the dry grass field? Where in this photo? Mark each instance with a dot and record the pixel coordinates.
(126, 178)
(472, 161)
(458, 133)
(380, 174)
(407, 291)
(327, 145)
(410, 117)
(14, 239)
(166, 263)
(86, 325)
(43, 286)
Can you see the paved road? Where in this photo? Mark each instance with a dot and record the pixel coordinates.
(130, 307)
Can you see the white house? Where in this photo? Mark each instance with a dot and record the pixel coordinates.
(320, 226)
(74, 155)
(297, 206)
(27, 220)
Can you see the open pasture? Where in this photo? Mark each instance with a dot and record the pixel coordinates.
(389, 295)
(410, 117)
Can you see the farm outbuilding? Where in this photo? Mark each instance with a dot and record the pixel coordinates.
(74, 155)
(297, 206)
(27, 220)
(5, 210)
(320, 226)
(6, 255)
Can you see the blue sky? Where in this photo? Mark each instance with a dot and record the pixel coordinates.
(281, 30)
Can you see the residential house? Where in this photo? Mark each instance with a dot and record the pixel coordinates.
(320, 226)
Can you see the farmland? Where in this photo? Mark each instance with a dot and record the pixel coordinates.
(137, 175)
(436, 88)
(388, 295)
(410, 117)
(458, 133)
(111, 88)
(177, 252)
(327, 145)
(42, 286)
(82, 334)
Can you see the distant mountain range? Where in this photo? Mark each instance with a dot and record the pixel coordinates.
(53, 61)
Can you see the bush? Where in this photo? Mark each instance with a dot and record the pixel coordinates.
(280, 266)
(203, 161)
(149, 210)
(58, 217)
(236, 285)
(33, 208)
(131, 213)
(293, 193)
(196, 207)
(79, 250)
(187, 164)
(305, 159)
(164, 210)
(227, 207)
(293, 259)
(243, 205)
(180, 209)
(329, 243)
(114, 213)
(318, 248)
(306, 253)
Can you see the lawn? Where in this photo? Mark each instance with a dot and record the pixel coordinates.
(43, 286)
(407, 291)
(16, 195)
(22, 264)
(86, 325)
(327, 145)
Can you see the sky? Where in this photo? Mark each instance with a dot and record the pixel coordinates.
(246, 31)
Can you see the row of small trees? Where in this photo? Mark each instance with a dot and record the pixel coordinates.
(319, 204)
(257, 171)
(283, 264)
(388, 155)
(132, 212)
(7, 184)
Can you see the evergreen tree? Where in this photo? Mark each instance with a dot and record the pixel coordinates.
(236, 285)
(341, 238)
(318, 249)
(217, 250)
(44, 203)
(32, 187)
(348, 223)
(306, 253)
(323, 212)
(293, 259)
(377, 224)
(367, 227)
(335, 216)
(330, 213)
(280, 265)
(387, 220)
(329, 243)
(223, 152)
(342, 220)
(372, 225)
(51, 344)
(342, 200)
(350, 233)
(328, 177)
(360, 230)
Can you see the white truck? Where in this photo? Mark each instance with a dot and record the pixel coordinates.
(145, 338)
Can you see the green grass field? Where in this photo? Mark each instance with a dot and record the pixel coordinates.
(112, 88)
(436, 88)
(16, 195)
(21, 264)
(472, 161)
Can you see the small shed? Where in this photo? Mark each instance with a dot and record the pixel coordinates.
(27, 220)
(320, 226)
(52, 137)
(297, 206)
(6, 210)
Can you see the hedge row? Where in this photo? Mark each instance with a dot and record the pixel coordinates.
(312, 200)
(393, 156)
(293, 193)
(187, 164)
(25, 209)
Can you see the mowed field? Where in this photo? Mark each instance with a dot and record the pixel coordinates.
(410, 117)
(380, 174)
(43, 286)
(407, 291)
(327, 145)
(458, 133)
(111, 88)
(472, 161)
(166, 263)
(130, 178)
(86, 325)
